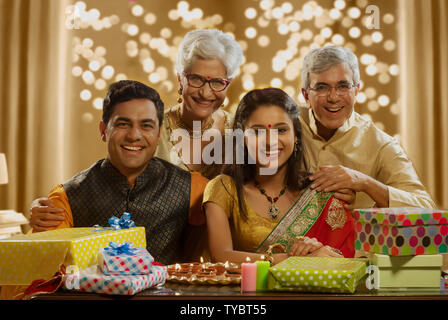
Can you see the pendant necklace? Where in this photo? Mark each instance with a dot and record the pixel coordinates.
(273, 209)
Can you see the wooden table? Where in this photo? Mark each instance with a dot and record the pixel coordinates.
(224, 302)
(176, 291)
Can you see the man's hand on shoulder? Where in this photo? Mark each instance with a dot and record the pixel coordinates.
(336, 178)
(347, 197)
(333, 178)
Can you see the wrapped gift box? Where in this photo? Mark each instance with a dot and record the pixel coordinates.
(316, 274)
(10, 222)
(401, 231)
(139, 262)
(25, 258)
(422, 271)
(92, 279)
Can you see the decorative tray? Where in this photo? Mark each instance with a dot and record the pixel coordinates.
(206, 273)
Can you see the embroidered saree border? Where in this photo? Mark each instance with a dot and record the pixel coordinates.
(298, 220)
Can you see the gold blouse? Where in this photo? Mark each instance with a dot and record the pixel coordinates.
(246, 235)
(165, 150)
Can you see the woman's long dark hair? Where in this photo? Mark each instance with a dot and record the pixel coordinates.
(295, 178)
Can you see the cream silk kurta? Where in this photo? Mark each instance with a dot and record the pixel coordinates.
(361, 146)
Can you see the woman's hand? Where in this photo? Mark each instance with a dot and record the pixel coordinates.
(325, 251)
(304, 246)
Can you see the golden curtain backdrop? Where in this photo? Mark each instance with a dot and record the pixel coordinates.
(135, 40)
(424, 91)
(33, 126)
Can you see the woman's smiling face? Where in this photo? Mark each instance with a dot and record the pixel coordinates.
(271, 136)
(200, 103)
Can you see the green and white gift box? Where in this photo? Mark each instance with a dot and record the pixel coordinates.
(317, 274)
(403, 272)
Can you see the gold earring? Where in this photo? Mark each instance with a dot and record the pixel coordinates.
(179, 100)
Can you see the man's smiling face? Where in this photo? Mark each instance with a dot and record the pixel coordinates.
(332, 110)
(132, 135)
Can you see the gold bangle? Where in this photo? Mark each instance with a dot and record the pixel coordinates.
(336, 250)
(269, 257)
(270, 252)
(300, 238)
(276, 245)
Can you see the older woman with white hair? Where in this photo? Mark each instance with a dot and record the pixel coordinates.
(207, 62)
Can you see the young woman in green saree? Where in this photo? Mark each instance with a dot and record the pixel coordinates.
(265, 202)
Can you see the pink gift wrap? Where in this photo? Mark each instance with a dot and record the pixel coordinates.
(125, 264)
(93, 280)
(401, 231)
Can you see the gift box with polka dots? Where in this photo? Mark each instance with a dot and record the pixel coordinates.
(317, 274)
(401, 231)
(92, 279)
(25, 258)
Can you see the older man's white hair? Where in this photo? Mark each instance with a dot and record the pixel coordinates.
(321, 59)
(209, 44)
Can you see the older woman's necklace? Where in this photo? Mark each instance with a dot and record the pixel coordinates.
(273, 209)
(180, 123)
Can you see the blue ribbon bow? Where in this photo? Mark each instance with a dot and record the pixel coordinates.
(124, 222)
(115, 249)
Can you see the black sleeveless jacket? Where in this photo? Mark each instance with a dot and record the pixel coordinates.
(159, 201)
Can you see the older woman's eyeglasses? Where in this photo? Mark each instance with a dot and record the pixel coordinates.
(323, 89)
(197, 81)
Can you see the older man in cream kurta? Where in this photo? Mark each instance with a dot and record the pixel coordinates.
(361, 146)
(344, 149)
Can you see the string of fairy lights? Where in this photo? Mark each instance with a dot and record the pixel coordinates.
(284, 30)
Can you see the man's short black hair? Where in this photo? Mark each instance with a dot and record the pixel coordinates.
(126, 90)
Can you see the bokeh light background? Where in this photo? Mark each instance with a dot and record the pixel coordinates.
(124, 39)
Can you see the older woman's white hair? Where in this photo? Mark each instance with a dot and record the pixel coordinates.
(321, 59)
(209, 44)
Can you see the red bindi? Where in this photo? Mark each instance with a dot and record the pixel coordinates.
(269, 126)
